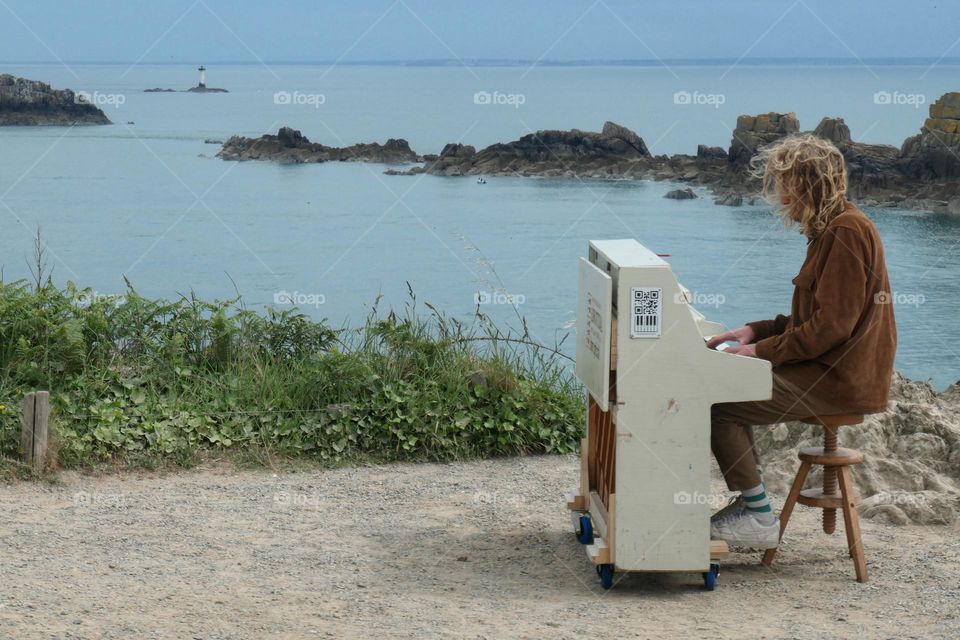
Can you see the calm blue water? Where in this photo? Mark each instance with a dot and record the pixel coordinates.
(148, 199)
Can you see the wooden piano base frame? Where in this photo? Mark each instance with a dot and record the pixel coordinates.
(601, 550)
(580, 502)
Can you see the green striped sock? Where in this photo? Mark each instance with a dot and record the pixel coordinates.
(758, 504)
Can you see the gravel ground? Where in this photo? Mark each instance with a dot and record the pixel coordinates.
(467, 550)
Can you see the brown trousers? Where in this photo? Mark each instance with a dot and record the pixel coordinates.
(731, 428)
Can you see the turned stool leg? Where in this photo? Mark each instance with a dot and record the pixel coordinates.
(787, 510)
(851, 522)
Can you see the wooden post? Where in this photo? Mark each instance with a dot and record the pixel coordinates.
(35, 435)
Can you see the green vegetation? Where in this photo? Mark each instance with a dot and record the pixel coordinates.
(146, 382)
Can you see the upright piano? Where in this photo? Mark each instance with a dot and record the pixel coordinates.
(643, 503)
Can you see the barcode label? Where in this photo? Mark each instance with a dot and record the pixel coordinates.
(647, 312)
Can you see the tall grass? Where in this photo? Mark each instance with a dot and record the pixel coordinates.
(134, 379)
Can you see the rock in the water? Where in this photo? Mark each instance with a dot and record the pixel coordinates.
(681, 194)
(920, 174)
(754, 132)
(29, 102)
(935, 153)
(947, 107)
(291, 146)
(291, 137)
(833, 129)
(711, 153)
(614, 130)
(585, 153)
(450, 160)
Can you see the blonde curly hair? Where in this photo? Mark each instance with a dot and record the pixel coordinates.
(810, 173)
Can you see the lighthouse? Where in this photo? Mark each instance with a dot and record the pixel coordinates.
(201, 83)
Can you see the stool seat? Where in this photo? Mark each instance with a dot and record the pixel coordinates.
(837, 493)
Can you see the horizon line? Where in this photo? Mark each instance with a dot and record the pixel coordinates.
(521, 62)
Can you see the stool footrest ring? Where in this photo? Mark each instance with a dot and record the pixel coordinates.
(842, 457)
(816, 498)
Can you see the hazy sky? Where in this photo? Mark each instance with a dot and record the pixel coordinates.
(355, 30)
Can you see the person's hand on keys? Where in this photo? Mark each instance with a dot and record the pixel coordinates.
(744, 335)
(749, 350)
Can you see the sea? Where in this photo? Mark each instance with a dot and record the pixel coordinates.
(146, 200)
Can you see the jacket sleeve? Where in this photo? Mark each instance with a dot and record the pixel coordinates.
(840, 293)
(768, 328)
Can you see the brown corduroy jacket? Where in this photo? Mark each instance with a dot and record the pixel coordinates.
(839, 341)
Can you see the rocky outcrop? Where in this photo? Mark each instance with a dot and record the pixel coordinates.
(30, 103)
(911, 467)
(833, 129)
(919, 175)
(199, 89)
(611, 151)
(290, 146)
(754, 132)
(452, 158)
(709, 154)
(935, 152)
(612, 130)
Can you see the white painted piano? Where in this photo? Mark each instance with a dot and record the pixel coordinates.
(643, 501)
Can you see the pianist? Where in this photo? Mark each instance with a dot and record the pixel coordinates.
(832, 354)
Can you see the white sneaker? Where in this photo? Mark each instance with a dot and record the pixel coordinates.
(744, 530)
(736, 505)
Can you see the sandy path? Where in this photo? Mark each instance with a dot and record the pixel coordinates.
(476, 550)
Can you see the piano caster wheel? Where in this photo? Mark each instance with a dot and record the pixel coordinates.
(605, 571)
(584, 531)
(710, 577)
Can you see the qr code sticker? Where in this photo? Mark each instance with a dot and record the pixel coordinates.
(647, 312)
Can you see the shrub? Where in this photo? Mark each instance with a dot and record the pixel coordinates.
(134, 378)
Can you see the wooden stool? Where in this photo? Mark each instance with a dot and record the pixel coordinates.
(836, 463)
